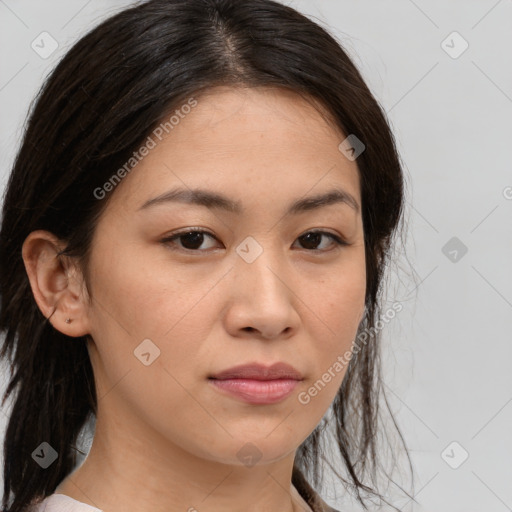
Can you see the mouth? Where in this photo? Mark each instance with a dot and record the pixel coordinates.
(256, 391)
(258, 371)
(256, 383)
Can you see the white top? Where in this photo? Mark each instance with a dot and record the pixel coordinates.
(62, 503)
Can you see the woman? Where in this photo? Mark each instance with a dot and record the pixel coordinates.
(193, 242)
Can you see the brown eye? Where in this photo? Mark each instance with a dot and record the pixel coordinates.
(313, 239)
(190, 240)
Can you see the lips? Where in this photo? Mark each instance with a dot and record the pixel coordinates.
(257, 384)
(256, 371)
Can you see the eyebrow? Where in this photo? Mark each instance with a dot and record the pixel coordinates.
(213, 200)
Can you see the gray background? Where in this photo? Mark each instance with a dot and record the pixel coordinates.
(447, 354)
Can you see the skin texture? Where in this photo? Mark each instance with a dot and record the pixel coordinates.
(165, 439)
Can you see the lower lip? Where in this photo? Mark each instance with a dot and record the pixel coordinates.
(257, 391)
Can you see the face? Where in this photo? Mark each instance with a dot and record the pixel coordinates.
(182, 290)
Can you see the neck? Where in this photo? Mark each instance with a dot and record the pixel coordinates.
(137, 473)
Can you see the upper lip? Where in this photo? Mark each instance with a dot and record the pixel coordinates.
(257, 371)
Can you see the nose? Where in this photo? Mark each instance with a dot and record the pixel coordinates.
(262, 301)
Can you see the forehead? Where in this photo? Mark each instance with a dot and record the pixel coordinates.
(259, 141)
(265, 112)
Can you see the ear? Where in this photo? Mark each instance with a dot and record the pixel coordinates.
(56, 282)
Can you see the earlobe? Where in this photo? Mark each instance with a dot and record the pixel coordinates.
(56, 290)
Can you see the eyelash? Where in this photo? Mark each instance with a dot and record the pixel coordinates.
(336, 239)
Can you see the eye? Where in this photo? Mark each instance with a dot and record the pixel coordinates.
(193, 238)
(313, 238)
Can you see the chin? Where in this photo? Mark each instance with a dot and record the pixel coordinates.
(251, 450)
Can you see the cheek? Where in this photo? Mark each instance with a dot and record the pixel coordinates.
(148, 327)
(143, 298)
(336, 308)
(145, 312)
(338, 301)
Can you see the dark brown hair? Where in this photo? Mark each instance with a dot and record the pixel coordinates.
(95, 109)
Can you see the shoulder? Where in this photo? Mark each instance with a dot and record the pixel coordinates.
(61, 503)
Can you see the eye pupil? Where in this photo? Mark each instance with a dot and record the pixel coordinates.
(314, 237)
(197, 239)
